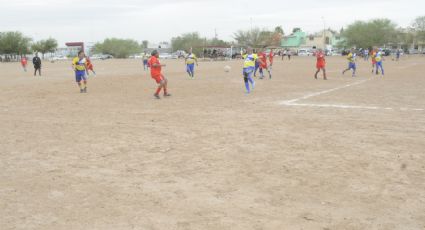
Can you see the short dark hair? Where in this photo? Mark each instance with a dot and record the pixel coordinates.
(154, 52)
(80, 52)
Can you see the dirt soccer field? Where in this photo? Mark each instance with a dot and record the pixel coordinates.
(297, 153)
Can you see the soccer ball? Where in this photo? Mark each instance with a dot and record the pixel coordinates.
(227, 68)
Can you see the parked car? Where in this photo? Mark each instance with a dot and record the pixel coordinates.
(165, 56)
(58, 58)
(304, 52)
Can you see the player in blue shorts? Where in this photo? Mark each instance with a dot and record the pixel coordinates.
(351, 62)
(379, 59)
(191, 59)
(79, 65)
(248, 69)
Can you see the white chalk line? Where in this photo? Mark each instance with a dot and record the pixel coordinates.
(323, 92)
(294, 103)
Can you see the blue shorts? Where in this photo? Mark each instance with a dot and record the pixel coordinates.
(145, 62)
(379, 64)
(190, 68)
(352, 66)
(80, 75)
(249, 71)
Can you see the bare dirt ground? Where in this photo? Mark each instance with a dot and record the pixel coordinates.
(297, 153)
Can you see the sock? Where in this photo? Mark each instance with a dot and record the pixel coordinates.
(165, 91)
(247, 86)
(158, 90)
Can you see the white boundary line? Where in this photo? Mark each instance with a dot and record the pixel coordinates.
(294, 103)
(322, 92)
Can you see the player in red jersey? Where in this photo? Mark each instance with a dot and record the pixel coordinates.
(262, 57)
(320, 64)
(156, 74)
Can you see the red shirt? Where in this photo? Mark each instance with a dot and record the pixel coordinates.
(320, 58)
(24, 61)
(263, 57)
(155, 71)
(271, 56)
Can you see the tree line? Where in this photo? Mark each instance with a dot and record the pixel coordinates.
(14, 44)
(364, 34)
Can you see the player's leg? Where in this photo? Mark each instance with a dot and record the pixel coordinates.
(354, 68)
(245, 78)
(166, 94)
(381, 67)
(317, 72)
(251, 80)
(188, 70)
(269, 70)
(324, 74)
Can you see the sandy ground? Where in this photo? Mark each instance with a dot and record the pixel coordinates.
(297, 153)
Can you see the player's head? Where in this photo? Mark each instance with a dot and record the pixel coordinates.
(249, 50)
(155, 53)
(81, 54)
(190, 50)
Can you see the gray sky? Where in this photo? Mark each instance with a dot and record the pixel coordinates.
(94, 20)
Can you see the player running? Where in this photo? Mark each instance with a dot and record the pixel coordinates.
(379, 59)
(320, 64)
(156, 74)
(90, 67)
(248, 69)
(257, 63)
(79, 65)
(24, 63)
(145, 62)
(262, 58)
(271, 59)
(373, 57)
(190, 60)
(351, 62)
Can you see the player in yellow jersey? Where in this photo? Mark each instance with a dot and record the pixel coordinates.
(248, 69)
(191, 59)
(79, 65)
(351, 57)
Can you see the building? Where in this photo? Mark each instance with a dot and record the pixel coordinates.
(326, 40)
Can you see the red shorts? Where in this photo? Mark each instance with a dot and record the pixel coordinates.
(320, 65)
(373, 62)
(158, 78)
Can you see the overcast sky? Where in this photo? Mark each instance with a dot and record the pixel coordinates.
(155, 21)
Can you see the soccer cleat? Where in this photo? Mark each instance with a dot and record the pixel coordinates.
(167, 95)
(81, 90)
(85, 90)
(156, 96)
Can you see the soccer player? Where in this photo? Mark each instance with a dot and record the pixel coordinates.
(271, 59)
(262, 57)
(24, 63)
(320, 64)
(248, 69)
(90, 66)
(156, 74)
(145, 62)
(351, 62)
(190, 60)
(36, 61)
(373, 56)
(379, 59)
(79, 65)
(257, 63)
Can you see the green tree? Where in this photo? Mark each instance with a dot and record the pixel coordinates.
(45, 46)
(14, 43)
(187, 41)
(377, 32)
(255, 38)
(119, 48)
(419, 28)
